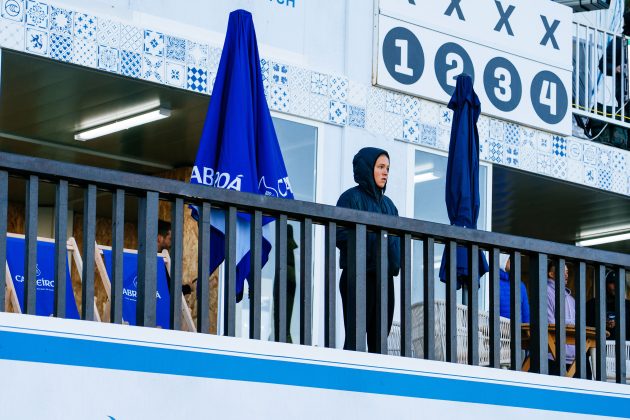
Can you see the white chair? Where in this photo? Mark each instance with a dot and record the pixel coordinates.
(610, 360)
(393, 340)
(417, 323)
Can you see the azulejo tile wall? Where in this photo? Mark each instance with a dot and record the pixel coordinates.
(153, 54)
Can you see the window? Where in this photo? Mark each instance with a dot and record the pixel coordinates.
(298, 143)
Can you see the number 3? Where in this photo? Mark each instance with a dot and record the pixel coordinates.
(504, 90)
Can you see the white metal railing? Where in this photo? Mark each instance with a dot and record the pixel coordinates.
(610, 360)
(600, 75)
(417, 322)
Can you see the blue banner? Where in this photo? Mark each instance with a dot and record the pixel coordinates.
(130, 288)
(239, 148)
(45, 277)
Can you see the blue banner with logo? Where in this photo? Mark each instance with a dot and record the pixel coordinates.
(239, 148)
(130, 288)
(45, 277)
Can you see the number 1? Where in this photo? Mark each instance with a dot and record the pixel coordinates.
(403, 67)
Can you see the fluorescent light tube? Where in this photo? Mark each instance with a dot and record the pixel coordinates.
(123, 124)
(604, 240)
(427, 176)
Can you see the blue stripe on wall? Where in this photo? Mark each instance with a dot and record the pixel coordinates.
(117, 356)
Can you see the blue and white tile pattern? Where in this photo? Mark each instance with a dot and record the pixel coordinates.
(53, 30)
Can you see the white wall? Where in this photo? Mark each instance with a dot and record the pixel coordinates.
(65, 369)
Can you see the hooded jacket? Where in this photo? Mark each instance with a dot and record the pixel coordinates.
(367, 196)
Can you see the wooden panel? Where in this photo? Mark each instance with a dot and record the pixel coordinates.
(190, 239)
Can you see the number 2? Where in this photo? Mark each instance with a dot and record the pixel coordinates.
(451, 74)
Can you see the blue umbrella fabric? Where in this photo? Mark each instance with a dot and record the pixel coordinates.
(239, 149)
(462, 172)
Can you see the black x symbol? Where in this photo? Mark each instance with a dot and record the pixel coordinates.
(504, 18)
(549, 34)
(455, 7)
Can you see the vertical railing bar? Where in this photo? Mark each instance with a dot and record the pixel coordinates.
(61, 248)
(147, 259)
(281, 278)
(515, 310)
(614, 74)
(576, 72)
(355, 333)
(494, 313)
(451, 303)
(306, 282)
(580, 320)
(600, 322)
(177, 255)
(229, 304)
(620, 326)
(118, 243)
(255, 275)
(330, 285)
(587, 70)
(473, 305)
(623, 79)
(605, 69)
(561, 330)
(381, 292)
(4, 212)
(405, 295)
(428, 276)
(30, 260)
(89, 236)
(203, 269)
(539, 325)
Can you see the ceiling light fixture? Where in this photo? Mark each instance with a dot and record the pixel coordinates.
(604, 239)
(424, 177)
(123, 124)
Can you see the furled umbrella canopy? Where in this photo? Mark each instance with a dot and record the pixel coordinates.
(462, 172)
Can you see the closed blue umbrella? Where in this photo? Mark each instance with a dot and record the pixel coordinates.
(462, 172)
(239, 149)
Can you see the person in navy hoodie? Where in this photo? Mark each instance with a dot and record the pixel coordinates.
(504, 291)
(371, 171)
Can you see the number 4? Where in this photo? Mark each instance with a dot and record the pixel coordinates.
(548, 95)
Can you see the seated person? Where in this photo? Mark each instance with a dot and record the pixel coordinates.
(504, 293)
(611, 316)
(569, 310)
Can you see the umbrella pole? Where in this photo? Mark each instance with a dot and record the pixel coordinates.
(465, 293)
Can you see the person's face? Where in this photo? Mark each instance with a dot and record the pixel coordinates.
(552, 274)
(164, 242)
(381, 171)
(610, 288)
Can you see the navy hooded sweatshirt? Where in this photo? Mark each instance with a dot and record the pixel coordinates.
(367, 196)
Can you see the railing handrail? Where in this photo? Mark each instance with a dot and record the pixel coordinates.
(319, 213)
